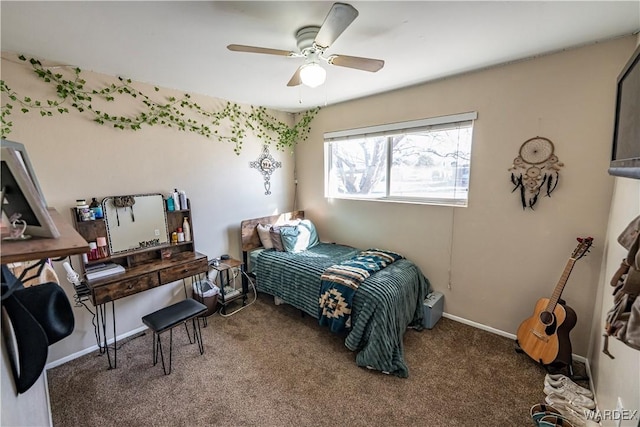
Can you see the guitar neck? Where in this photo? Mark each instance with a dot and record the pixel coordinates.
(553, 301)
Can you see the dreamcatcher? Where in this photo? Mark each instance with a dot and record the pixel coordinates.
(535, 170)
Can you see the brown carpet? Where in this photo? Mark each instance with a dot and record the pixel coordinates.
(268, 366)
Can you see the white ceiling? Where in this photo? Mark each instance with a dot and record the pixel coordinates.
(182, 45)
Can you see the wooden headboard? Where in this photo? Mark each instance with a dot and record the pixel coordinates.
(250, 238)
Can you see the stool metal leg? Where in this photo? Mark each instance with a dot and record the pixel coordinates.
(197, 332)
(188, 334)
(170, 349)
(159, 350)
(155, 349)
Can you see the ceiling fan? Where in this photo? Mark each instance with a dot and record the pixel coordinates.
(313, 41)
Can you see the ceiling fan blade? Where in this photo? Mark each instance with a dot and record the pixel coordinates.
(339, 18)
(365, 64)
(295, 79)
(265, 50)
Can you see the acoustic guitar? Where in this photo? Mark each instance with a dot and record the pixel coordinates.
(545, 335)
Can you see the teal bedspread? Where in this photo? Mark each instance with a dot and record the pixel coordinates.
(383, 306)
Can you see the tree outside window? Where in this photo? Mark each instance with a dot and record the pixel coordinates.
(423, 165)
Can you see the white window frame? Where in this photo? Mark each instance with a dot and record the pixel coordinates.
(392, 129)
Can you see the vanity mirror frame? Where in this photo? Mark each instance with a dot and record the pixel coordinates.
(123, 223)
(92, 230)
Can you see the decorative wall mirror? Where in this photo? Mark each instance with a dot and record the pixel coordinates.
(135, 222)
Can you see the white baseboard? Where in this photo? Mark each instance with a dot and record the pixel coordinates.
(93, 348)
(46, 391)
(574, 356)
(592, 387)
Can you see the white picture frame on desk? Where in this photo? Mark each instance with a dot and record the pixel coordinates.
(21, 192)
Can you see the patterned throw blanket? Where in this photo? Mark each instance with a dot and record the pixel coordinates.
(340, 282)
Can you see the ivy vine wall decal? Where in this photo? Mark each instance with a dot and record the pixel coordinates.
(229, 124)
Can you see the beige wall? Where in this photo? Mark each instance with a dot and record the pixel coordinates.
(76, 158)
(619, 377)
(503, 258)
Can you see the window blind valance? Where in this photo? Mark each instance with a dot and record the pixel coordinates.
(413, 126)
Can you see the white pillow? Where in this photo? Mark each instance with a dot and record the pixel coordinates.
(265, 236)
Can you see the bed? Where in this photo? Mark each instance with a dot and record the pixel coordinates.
(383, 307)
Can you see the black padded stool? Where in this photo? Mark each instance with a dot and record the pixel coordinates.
(167, 318)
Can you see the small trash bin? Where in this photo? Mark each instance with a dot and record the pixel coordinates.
(207, 293)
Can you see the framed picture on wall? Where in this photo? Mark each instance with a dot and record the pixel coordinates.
(625, 155)
(22, 198)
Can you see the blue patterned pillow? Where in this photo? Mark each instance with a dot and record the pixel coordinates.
(299, 238)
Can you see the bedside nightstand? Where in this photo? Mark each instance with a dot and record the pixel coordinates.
(227, 294)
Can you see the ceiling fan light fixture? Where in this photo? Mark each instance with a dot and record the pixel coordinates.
(312, 74)
(312, 41)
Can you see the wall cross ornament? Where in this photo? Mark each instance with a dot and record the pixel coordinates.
(267, 165)
(535, 170)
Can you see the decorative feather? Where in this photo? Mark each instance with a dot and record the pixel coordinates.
(544, 179)
(517, 183)
(549, 184)
(555, 184)
(523, 198)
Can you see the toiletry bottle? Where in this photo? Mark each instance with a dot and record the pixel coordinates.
(85, 213)
(96, 208)
(93, 251)
(174, 237)
(170, 206)
(176, 200)
(186, 228)
(183, 199)
(180, 235)
(81, 207)
(102, 247)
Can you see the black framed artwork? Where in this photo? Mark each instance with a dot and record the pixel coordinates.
(22, 199)
(625, 152)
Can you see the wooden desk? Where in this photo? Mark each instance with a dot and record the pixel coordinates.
(141, 277)
(146, 276)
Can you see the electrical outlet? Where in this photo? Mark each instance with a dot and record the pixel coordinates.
(619, 409)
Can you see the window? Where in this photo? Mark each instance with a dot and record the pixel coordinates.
(423, 161)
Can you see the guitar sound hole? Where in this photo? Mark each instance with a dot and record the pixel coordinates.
(546, 318)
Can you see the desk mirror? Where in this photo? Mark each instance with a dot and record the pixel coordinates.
(135, 222)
